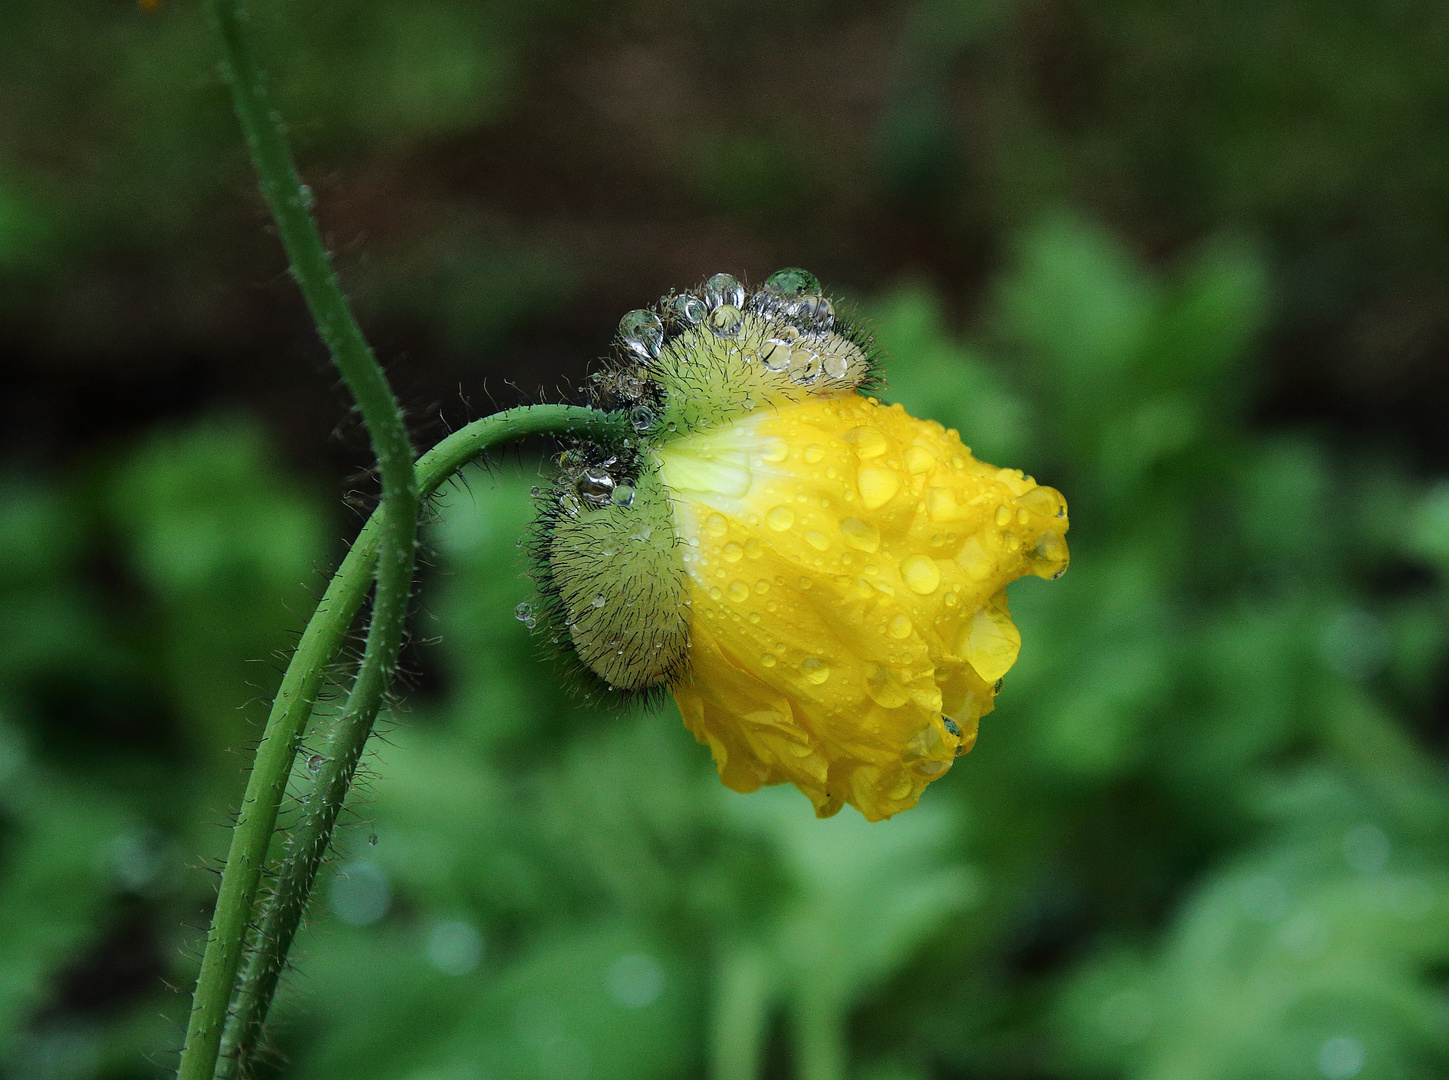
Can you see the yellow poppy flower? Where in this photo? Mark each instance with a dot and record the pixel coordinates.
(819, 578)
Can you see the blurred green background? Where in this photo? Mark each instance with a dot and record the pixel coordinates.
(1187, 260)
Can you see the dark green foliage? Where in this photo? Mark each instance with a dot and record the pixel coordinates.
(1197, 838)
(1203, 835)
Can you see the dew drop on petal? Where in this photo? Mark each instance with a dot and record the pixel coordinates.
(861, 535)
(818, 540)
(775, 450)
(814, 454)
(899, 628)
(715, 525)
(780, 518)
(1003, 516)
(919, 460)
(877, 487)
(814, 669)
(739, 591)
(868, 441)
(990, 643)
(732, 552)
(883, 689)
(921, 574)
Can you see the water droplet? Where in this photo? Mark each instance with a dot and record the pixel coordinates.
(716, 593)
(818, 540)
(834, 365)
(641, 418)
(919, 460)
(804, 365)
(816, 309)
(688, 309)
(732, 552)
(595, 486)
(1003, 516)
(815, 670)
(724, 290)
(753, 548)
(739, 591)
(792, 281)
(716, 525)
(868, 441)
(861, 535)
(726, 320)
(523, 612)
(921, 574)
(641, 333)
(775, 355)
(899, 628)
(762, 586)
(780, 518)
(372, 840)
(877, 487)
(314, 763)
(1049, 555)
(883, 689)
(641, 532)
(768, 659)
(990, 642)
(598, 601)
(534, 491)
(774, 450)
(623, 495)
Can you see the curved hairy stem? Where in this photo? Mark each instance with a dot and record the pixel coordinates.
(291, 710)
(308, 840)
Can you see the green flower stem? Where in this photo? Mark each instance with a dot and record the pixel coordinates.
(308, 841)
(386, 551)
(311, 265)
(293, 705)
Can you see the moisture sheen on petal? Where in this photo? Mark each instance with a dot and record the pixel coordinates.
(847, 567)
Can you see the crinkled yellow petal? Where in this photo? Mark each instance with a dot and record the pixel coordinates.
(847, 568)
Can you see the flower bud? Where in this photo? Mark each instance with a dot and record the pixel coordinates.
(817, 577)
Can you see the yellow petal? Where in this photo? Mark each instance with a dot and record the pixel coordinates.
(846, 567)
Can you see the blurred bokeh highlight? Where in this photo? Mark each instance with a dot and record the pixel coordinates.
(1186, 261)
